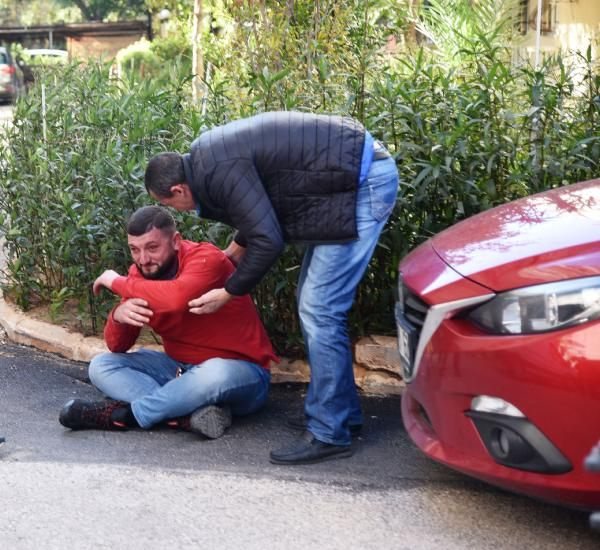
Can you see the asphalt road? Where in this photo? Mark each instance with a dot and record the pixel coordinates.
(159, 488)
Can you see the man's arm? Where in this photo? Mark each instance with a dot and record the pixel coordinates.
(120, 335)
(125, 321)
(201, 273)
(237, 188)
(104, 280)
(235, 252)
(249, 208)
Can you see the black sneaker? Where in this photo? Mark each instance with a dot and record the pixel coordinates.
(79, 414)
(210, 421)
(299, 423)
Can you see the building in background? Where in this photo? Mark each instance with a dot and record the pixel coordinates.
(81, 40)
(567, 25)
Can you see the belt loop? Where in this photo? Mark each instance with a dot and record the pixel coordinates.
(379, 151)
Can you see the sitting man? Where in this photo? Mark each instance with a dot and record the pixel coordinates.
(213, 366)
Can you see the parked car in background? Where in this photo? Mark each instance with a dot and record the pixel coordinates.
(46, 55)
(498, 324)
(11, 77)
(33, 58)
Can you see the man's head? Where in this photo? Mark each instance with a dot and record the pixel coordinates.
(165, 182)
(153, 241)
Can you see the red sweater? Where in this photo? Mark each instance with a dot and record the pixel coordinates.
(233, 332)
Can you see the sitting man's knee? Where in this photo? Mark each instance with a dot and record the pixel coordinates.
(99, 365)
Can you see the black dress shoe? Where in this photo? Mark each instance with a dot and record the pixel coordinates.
(308, 450)
(300, 422)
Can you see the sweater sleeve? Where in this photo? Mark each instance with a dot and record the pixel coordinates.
(119, 337)
(199, 275)
(239, 190)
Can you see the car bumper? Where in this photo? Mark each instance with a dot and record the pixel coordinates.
(552, 378)
(7, 91)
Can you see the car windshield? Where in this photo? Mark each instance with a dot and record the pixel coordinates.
(3, 58)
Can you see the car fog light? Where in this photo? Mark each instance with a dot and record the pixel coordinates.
(507, 445)
(503, 443)
(485, 403)
(516, 443)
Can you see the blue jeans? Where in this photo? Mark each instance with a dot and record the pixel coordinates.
(148, 380)
(329, 276)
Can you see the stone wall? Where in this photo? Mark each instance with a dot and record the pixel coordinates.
(377, 368)
(99, 47)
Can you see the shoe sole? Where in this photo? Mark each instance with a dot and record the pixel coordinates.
(342, 454)
(211, 421)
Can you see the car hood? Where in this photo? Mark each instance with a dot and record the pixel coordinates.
(546, 237)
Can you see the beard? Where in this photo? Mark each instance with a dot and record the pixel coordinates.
(165, 271)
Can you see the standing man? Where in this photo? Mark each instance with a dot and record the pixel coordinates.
(213, 366)
(293, 177)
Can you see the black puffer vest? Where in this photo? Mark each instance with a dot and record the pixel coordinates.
(276, 177)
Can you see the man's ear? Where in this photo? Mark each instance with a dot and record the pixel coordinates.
(176, 240)
(181, 189)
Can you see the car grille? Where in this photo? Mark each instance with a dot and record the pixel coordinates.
(411, 317)
(415, 309)
(417, 322)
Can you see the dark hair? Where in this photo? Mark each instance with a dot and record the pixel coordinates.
(163, 171)
(146, 218)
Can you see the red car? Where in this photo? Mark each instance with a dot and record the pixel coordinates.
(499, 336)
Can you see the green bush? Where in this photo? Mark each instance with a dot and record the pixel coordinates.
(64, 197)
(161, 60)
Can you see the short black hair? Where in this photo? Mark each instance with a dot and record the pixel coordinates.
(146, 218)
(163, 171)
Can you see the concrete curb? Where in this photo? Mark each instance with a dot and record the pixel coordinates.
(48, 337)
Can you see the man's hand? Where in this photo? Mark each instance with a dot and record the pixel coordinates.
(134, 311)
(106, 279)
(210, 302)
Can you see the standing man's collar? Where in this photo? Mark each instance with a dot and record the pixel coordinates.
(189, 177)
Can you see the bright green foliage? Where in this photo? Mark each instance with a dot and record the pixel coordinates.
(44, 12)
(100, 10)
(64, 199)
(466, 136)
(162, 60)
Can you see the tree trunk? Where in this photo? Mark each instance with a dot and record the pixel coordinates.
(197, 61)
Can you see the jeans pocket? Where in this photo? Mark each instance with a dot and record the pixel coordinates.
(383, 196)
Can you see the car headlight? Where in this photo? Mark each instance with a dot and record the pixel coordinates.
(540, 308)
